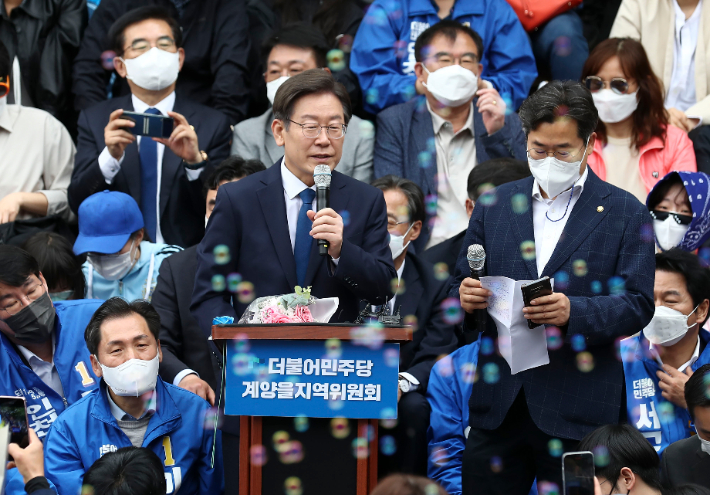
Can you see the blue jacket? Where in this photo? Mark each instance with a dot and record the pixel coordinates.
(72, 363)
(604, 263)
(659, 420)
(405, 146)
(176, 433)
(383, 50)
(449, 389)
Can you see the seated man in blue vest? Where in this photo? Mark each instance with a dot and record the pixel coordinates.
(133, 406)
(660, 359)
(41, 358)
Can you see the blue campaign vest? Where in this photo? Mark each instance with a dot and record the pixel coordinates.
(71, 358)
(176, 433)
(659, 420)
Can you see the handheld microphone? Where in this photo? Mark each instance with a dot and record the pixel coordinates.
(322, 177)
(476, 257)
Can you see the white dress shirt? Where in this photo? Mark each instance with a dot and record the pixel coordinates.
(110, 166)
(548, 232)
(293, 186)
(681, 93)
(691, 361)
(455, 158)
(403, 374)
(122, 415)
(46, 372)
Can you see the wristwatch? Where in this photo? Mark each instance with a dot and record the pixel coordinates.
(197, 165)
(404, 385)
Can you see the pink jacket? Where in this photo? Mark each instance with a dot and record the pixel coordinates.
(656, 160)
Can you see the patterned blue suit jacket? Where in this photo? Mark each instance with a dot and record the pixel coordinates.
(604, 262)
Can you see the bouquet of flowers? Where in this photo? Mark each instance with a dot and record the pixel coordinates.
(297, 307)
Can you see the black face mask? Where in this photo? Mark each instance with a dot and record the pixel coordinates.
(34, 323)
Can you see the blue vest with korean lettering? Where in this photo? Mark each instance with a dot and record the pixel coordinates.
(179, 432)
(659, 420)
(71, 358)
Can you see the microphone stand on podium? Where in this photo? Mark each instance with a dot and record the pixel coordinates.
(310, 397)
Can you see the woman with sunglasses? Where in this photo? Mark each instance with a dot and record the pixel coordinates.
(680, 206)
(635, 145)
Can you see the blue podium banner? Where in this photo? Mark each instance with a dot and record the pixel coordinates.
(316, 379)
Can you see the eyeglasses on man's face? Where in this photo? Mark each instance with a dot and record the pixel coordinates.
(564, 155)
(13, 305)
(311, 131)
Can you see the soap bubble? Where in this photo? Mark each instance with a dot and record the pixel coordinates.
(509, 108)
(397, 286)
(388, 418)
(300, 424)
(279, 440)
(646, 233)
(496, 464)
(391, 357)
(107, 59)
(360, 448)
(601, 456)
(372, 95)
(597, 287)
(221, 254)
(218, 283)
(340, 428)
(336, 60)
(547, 488)
(561, 280)
(257, 453)
(585, 362)
(431, 201)
(563, 46)
(579, 343)
(520, 203)
(617, 286)
(345, 215)
(554, 447)
(445, 366)
(441, 271)
(335, 404)
(439, 456)
(241, 343)
(452, 312)
(345, 43)
(233, 281)
(579, 268)
(293, 486)
(241, 364)
(333, 348)
(468, 372)
(487, 346)
(488, 198)
(527, 250)
(245, 292)
(211, 418)
(293, 452)
(388, 446)
(425, 159)
(490, 373)
(666, 413)
(554, 338)
(400, 48)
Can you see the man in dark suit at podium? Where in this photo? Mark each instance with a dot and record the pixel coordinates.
(263, 226)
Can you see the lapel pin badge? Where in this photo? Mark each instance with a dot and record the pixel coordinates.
(600, 209)
(655, 175)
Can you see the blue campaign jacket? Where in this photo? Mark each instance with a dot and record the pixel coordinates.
(176, 433)
(659, 420)
(383, 51)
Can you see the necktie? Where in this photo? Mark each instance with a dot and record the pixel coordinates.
(149, 181)
(302, 247)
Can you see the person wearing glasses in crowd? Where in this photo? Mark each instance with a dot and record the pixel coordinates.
(39, 356)
(37, 157)
(636, 146)
(437, 139)
(164, 176)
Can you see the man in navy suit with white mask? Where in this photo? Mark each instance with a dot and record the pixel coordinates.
(268, 222)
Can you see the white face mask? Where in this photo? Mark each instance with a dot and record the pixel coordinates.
(207, 219)
(613, 107)
(397, 244)
(156, 69)
(667, 326)
(553, 175)
(133, 378)
(273, 86)
(669, 233)
(704, 445)
(452, 86)
(113, 266)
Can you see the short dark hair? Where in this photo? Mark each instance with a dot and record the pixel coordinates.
(5, 62)
(414, 194)
(659, 193)
(234, 167)
(57, 262)
(114, 308)
(626, 447)
(689, 266)
(496, 172)
(560, 99)
(696, 390)
(407, 484)
(116, 34)
(687, 489)
(450, 29)
(16, 265)
(308, 82)
(300, 35)
(127, 471)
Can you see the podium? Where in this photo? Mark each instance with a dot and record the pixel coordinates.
(280, 378)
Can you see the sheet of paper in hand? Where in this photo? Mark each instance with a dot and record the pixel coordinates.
(521, 347)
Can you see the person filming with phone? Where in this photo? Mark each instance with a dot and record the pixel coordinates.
(594, 241)
(161, 164)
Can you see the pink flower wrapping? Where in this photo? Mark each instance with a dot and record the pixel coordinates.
(274, 314)
(304, 314)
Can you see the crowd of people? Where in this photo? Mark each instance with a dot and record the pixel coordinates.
(568, 139)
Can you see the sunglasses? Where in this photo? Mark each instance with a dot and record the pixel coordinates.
(677, 217)
(618, 85)
(4, 86)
